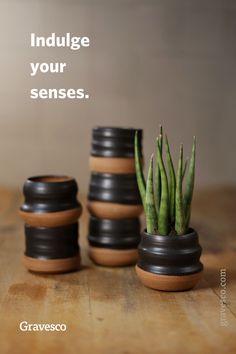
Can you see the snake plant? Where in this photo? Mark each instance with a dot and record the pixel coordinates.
(167, 207)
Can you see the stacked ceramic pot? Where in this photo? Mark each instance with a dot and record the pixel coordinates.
(113, 200)
(51, 211)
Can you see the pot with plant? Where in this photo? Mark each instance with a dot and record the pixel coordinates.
(169, 252)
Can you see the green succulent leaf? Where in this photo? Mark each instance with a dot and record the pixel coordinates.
(190, 185)
(172, 181)
(185, 168)
(157, 172)
(163, 219)
(179, 207)
(150, 211)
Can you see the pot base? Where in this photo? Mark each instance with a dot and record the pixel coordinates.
(61, 265)
(105, 210)
(168, 282)
(113, 258)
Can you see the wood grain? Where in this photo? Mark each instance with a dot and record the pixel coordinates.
(108, 310)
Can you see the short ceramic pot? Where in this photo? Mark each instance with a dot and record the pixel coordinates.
(113, 150)
(50, 201)
(169, 263)
(113, 196)
(114, 242)
(52, 250)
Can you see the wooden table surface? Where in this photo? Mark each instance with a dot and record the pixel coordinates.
(109, 311)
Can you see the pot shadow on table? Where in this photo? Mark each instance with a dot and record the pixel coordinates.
(212, 274)
(69, 276)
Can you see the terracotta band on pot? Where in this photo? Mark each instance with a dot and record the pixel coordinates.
(113, 258)
(168, 282)
(114, 210)
(117, 165)
(53, 219)
(52, 265)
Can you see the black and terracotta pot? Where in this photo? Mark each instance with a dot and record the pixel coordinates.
(169, 263)
(50, 201)
(114, 242)
(113, 196)
(50, 211)
(52, 250)
(113, 150)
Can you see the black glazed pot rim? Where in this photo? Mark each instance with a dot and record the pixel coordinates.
(50, 179)
(157, 237)
(50, 193)
(117, 176)
(108, 130)
(55, 228)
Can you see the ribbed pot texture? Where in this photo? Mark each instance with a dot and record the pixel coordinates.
(114, 141)
(45, 194)
(106, 187)
(170, 255)
(114, 234)
(51, 243)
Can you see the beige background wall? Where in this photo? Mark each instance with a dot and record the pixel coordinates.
(150, 62)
